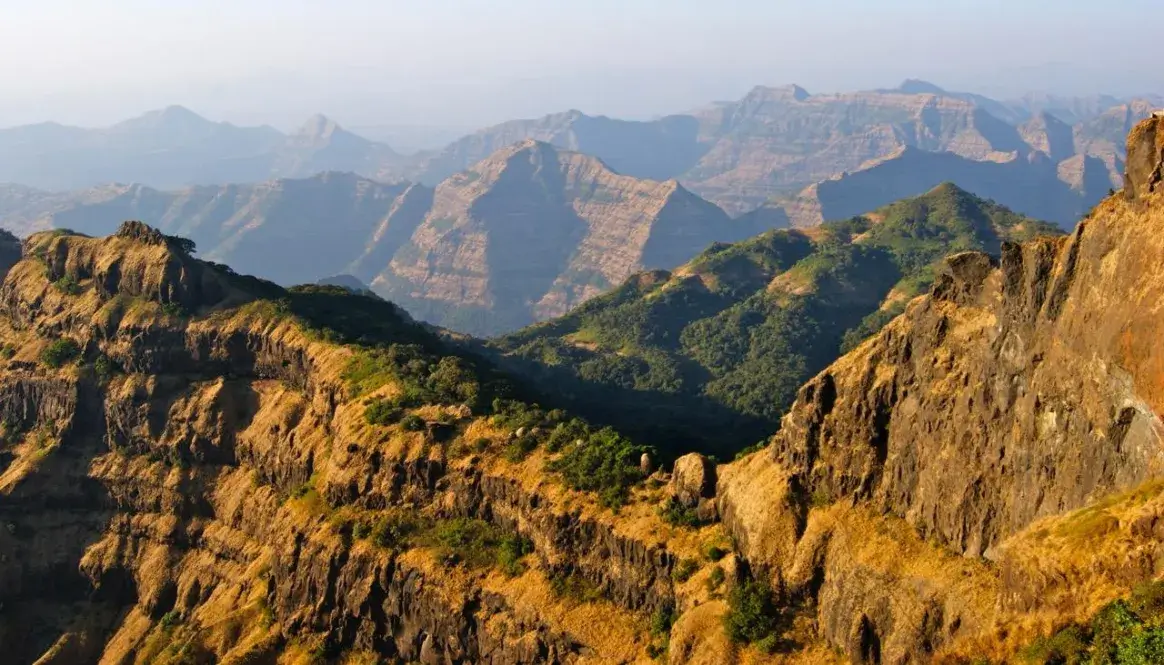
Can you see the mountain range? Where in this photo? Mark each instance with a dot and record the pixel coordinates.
(775, 142)
(200, 466)
(174, 147)
(770, 147)
(526, 234)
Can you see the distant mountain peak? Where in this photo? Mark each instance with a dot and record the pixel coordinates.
(171, 118)
(920, 87)
(319, 127)
(791, 92)
(947, 187)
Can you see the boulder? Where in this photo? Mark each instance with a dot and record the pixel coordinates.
(693, 480)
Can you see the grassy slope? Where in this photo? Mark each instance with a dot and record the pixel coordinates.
(710, 356)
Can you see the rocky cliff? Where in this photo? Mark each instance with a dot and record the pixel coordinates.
(716, 349)
(531, 232)
(1021, 389)
(200, 467)
(522, 236)
(288, 230)
(774, 142)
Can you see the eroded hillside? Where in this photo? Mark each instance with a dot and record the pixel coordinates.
(1019, 390)
(775, 145)
(531, 232)
(715, 350)
(203, 467)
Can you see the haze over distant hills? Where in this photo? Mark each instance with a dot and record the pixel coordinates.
(526, 234)
(175, 147)
(523, 221)
(1042, 155)
(776, 142)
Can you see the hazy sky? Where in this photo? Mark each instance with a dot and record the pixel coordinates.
(469, 62)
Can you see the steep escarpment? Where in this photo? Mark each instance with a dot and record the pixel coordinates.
(289, 231)
(775, 143)
(998, 418)
(198, 466)
(175, 147)
(533, 231)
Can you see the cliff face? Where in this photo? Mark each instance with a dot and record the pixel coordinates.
(531, 232)
(525, 235)
(774, 143)
(1019, 390)
(289, 231)
(193, 469)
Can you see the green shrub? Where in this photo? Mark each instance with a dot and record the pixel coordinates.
(515, 415)
(7, 351)
(479, 544)
(510, 552)
(395, 530)
(1068, 646)
(1142, 648)
(361, 530)
(1110, 626)
(715, 579)
(662, 619)
(67, 285)
(606, 463)
(60, 353)
(575, 587)
(520, 448)
(751, 615)
(170, 619)
(684, 570)
(382, 412)
(676, 514)
(566, 433)
(412, 423)
(104, 368)
(713, 552)
(1124, 632)
(174, 310)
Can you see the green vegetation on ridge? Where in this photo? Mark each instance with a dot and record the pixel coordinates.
(712, 354)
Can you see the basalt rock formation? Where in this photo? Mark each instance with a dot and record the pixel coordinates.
(199, 467)
(524, 235)
(772, 148)
(531, 232)
(1018, 391)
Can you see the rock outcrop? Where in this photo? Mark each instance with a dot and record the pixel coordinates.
(1145, 157)
(780, 142)
(1018, 391)
(692, 480)
(188, 472)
